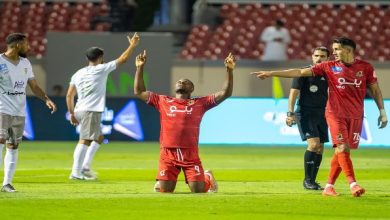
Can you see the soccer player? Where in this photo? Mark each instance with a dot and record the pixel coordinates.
(15, 73)
(348, 79)
(310, 117)
(89, 83)
(180, 118)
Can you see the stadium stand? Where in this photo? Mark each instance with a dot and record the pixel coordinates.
(36, 18)
(309, 26)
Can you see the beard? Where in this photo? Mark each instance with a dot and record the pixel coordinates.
(22, 54)
(180, 91)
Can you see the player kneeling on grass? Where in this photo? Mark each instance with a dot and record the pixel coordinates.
(90, 85)
(180, 118)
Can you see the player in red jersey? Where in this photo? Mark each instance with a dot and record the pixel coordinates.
(348, 79)
(180, 118)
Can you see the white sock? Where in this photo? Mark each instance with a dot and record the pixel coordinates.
(90, 154)
(328, 185)
(10, 160)
(352, 184)
(78, 158)
(1, 153)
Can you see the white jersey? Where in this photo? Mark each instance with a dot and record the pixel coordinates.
(13, 83)
(275, 50)
(90, 83)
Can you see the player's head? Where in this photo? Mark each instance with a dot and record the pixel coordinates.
(18, 42)
(184, 86)
(95, 54)
(343, 49)
(279, 24)
(320, 54)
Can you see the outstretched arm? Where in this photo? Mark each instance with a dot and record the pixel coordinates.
(227, 89)
(139, 84)
(42, 95)
(291, 73)
(70, 104)
(377, 95)
(290, 120)
(132, 44)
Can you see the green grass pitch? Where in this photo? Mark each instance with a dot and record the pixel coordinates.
(254, 183)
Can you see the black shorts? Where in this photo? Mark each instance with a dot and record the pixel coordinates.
(312, 125)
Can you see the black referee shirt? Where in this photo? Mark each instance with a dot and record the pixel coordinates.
(313, 92)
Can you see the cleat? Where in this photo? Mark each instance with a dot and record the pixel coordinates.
(329, 191)
(357, 191)
(157, 187)
(308, 185)
(76, 177)
(318, 186)
(214, 184)
(8, 188)
(88, 174)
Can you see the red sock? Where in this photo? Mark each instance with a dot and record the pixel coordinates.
(346, 164)
(335, 170)
(207, 183)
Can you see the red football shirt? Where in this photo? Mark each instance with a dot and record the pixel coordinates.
(180, 119)
(347, 86)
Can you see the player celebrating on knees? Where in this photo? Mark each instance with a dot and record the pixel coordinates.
(348, 79)
(180, 118)
(310, 117)
(89, 83)
(15, 73)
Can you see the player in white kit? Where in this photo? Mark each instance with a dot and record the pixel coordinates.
(89, 83)
(15, 74)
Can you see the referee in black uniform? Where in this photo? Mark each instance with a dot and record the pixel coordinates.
(310, 117)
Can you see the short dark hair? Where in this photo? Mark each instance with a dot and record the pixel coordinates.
(15, 38)
(94, 53)
(279, 22)
(322, 48)
(345, 41)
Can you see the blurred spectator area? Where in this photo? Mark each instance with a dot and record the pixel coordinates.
(36, 18)
(309, 26)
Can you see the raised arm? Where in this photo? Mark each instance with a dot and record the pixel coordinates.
(132, 44)
(139, 84)
(377, 95)
(42, 95)
(227, 89)
(70, 104)
(291, 73)
(290, 120)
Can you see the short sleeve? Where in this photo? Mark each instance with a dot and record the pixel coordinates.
(297, 83)
(208, 102)
(30, 72)
(109, 67)
(153, 100)
(370, 75)
(319, 69)
(72, 80)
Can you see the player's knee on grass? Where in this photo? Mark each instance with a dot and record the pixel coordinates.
(197, 187)
(85, 142)
(167, 186)
(2, 141)
(100, 139)
(314, 145)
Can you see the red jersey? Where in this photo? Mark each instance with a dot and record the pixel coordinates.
(180, 119)
(347, 86)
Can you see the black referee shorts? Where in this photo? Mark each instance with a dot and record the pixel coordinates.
(312, 124)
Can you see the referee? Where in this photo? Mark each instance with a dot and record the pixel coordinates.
(310, 117)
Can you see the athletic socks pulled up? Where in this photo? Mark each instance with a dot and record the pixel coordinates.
(10, 161)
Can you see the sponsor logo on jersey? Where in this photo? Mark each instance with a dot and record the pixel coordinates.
(359, 74)
(3, 67)
(13, 93)
(336, 69)
(19, 85)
